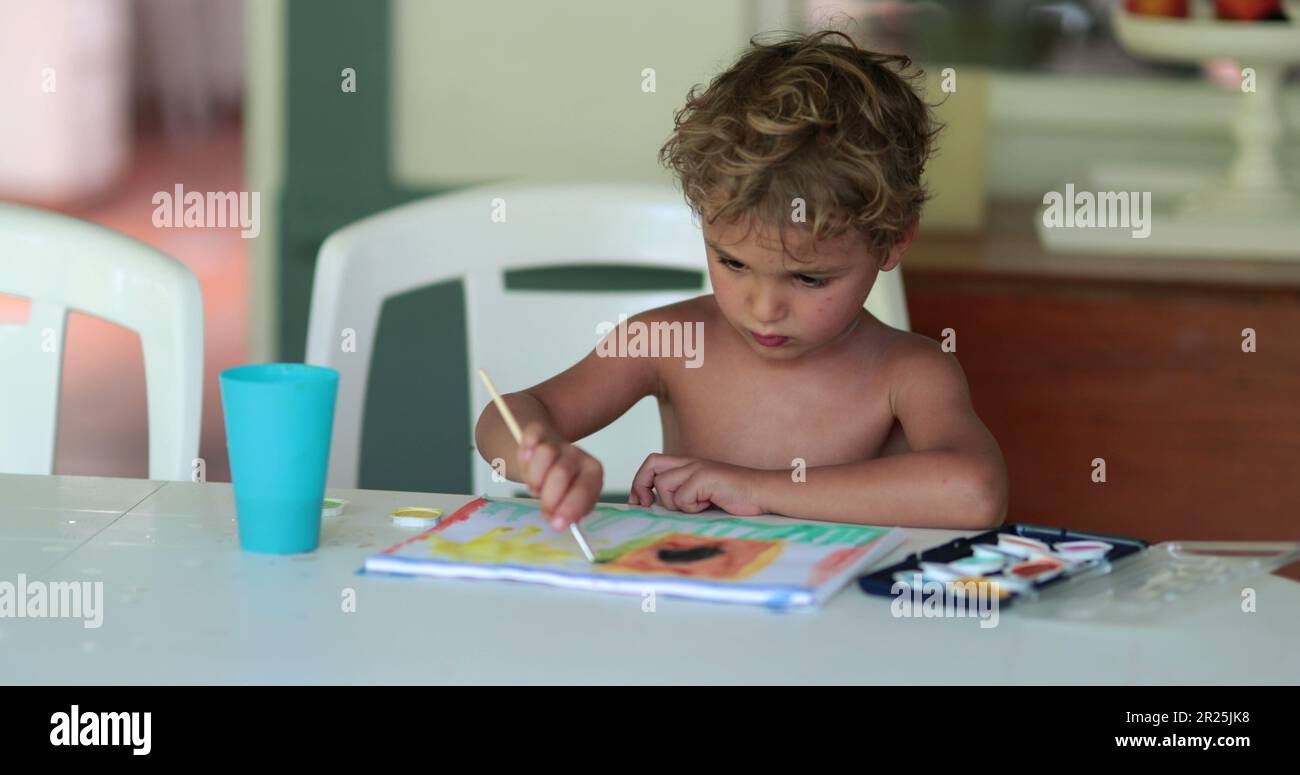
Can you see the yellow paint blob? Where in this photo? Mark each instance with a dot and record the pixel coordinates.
(495, 547)
(417, 511)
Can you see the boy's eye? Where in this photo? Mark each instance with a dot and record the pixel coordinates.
(812, 282)
(731, 264)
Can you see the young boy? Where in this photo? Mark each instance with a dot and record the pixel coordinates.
(804, 160)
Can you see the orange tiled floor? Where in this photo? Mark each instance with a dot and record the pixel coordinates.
(103, 426)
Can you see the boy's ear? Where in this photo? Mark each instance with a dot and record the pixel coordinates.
(899, 248)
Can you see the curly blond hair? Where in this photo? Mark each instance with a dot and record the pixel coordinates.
(807, 118)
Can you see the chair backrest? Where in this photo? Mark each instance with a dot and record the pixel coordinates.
(61, 264)
(475, 236)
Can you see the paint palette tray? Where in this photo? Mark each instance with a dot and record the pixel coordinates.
(1027, 562)
(1167, 580)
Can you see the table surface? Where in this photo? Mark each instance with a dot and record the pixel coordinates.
(182, 604)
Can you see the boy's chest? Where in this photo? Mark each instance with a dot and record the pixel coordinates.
(753, 417)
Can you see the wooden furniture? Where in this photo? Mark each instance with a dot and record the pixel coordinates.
(1138, 362)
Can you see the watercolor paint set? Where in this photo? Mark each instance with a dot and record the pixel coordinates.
(1016, 561)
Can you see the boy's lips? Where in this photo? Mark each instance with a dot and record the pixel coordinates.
(769, 340)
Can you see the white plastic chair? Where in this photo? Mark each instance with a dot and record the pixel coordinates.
(61, 264)
(454, 236)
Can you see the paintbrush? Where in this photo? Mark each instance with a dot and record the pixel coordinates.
(509, 417)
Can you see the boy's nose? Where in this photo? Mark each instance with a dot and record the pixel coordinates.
(766, 306)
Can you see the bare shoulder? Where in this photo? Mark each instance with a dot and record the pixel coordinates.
(625, 366)
(696, 309)
(915, 362)
(671, 332)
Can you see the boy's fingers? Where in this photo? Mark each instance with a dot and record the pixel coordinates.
(528, 438)
(654, 465)
(641, 483)
(531, 433)
(578, 501)
(687, 495)
(668, 483)
(537, 465)
(582, 494)
(557, 483)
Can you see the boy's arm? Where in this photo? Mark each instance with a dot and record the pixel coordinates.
(953, 477)
(571, 405)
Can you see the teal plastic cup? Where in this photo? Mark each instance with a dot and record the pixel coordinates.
(279, 417)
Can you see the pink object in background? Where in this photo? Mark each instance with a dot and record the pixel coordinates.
(66, 95)
(1223, 72)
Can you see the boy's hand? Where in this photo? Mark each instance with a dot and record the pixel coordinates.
(566, 479)
(692, 485)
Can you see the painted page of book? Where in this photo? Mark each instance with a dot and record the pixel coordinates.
(772, 561)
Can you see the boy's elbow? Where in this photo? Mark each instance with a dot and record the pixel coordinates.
(984, 506)
(993, 514)
(480, 428)
(990, 502)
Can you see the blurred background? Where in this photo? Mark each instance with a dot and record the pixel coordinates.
(1131, 355)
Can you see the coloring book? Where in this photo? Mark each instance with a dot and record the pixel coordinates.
(770, 561)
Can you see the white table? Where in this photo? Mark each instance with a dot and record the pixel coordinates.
(183, 604)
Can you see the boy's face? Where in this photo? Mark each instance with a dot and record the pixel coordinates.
(785, 308)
